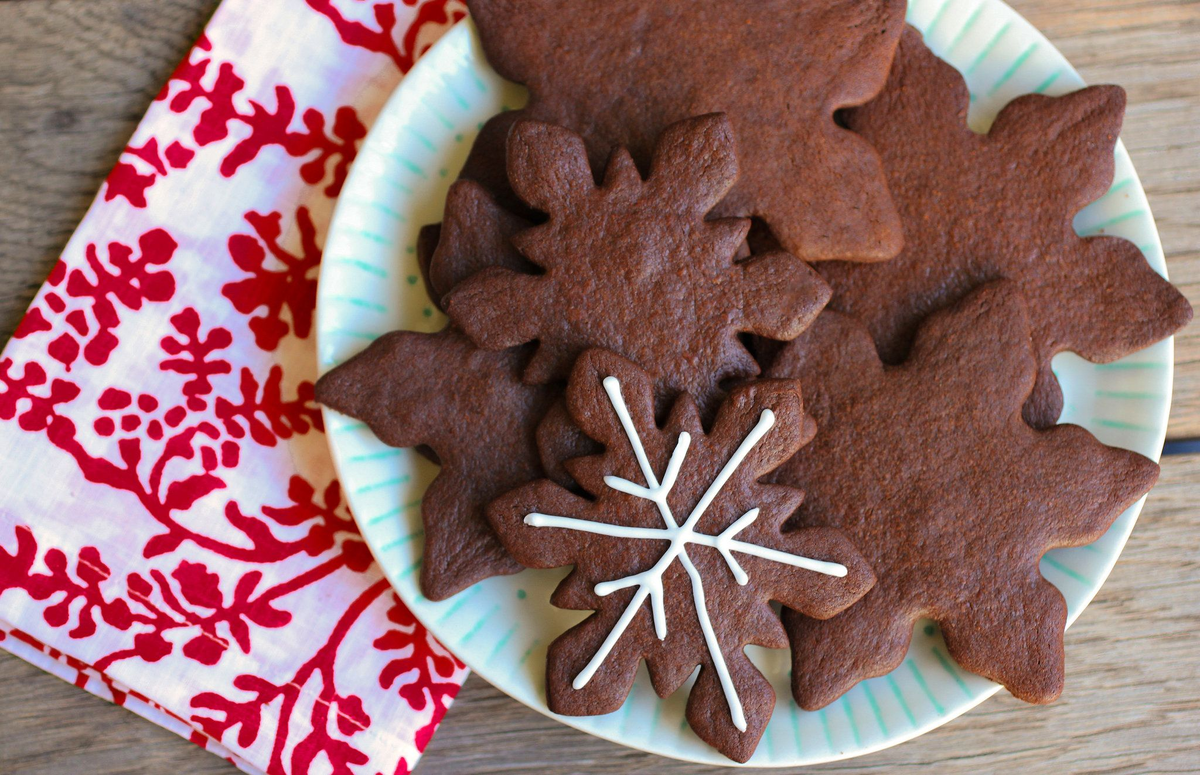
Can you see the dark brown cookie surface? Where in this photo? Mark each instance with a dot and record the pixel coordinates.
(427, 241)
(475, 233)
(560, 440)
(679, 551)
(930, 470)
(621, 71)
(632, 265)
(978, 208)
(471, 407)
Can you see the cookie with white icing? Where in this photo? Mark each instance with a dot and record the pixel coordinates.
(929, 468)
(679, 549)
(472, 409)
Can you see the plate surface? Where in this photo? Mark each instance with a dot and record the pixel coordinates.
(370, 284)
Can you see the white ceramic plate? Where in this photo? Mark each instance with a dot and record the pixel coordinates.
(370, 284)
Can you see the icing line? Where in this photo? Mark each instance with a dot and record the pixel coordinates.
(649, 583)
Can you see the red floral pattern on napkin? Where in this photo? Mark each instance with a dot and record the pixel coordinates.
(172, 536)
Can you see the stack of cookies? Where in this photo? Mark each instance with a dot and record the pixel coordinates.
(715, 346)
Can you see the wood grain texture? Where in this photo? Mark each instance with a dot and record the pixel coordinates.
(75, 77)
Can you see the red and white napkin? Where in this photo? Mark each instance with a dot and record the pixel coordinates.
(172, 536)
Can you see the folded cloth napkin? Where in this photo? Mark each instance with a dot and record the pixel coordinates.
(172, 536)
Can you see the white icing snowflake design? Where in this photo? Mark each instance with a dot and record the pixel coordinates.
(649, 583)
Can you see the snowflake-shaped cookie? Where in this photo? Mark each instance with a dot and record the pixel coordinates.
(929, 468)
(679, 550)
(632, 265)
(982, 207)
(620, 71)
(472, 409)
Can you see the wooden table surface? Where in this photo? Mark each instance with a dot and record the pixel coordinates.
(75, 77)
